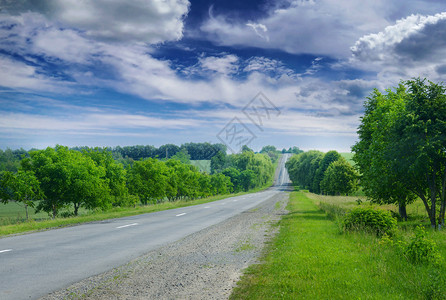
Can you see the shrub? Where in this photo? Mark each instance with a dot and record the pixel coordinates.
(370, 219)
(421, 249)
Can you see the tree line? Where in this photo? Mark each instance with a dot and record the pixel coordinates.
(197, 151)
(322, 173)
(92, 178)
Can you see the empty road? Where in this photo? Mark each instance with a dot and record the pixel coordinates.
(33, 265)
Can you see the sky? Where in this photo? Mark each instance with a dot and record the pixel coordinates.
(284, 73)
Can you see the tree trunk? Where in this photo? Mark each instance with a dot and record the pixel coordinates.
(26, 211)
(76, 208)
(441, 216)
(402, 210)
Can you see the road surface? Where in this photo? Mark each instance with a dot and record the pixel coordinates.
(34, 265)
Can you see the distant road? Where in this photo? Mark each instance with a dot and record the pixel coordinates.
(34, 265)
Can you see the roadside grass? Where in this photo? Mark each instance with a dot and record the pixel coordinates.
(311, 258)
(91, 216)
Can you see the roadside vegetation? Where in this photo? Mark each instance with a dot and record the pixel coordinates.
(389, 243)
(84, 184)
(314, 256)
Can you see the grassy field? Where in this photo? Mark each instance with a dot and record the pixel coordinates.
(348, 156)
(202, 165)
(311, 258)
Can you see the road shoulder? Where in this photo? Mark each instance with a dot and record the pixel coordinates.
(204, 265)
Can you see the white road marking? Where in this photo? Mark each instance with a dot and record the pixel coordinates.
(207, 207)
(179, 215)
(134, 224)
(234, 200)
(7, 250)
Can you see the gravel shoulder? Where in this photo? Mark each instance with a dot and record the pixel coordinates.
(204, 265)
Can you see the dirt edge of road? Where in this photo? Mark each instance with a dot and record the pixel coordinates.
(204, 265)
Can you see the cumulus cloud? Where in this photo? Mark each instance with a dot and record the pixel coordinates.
(413, 46)
(137, 20)
(415, 38)
(324, 27)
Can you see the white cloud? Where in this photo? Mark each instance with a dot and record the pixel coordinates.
(226, 65)
(260, 30)
(414, 46)
(17, 75)
(325, 27)
(89, 122)
(137, 20)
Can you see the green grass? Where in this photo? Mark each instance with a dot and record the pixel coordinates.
(348, 156)
(202, 165)
(311, 259)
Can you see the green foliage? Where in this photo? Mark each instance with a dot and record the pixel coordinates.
(182, 156)
(328, 158)
(322, 173)
(302, 168)
(400, 151)
(370, 219)
(339, 179)
(22, 187)
(67, 177)
(421, 249)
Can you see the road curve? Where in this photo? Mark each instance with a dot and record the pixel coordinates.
(34, 265)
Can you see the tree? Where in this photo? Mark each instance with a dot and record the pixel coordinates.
(182, 156)
(234, 175)
(379, 179)
(148, 180)
(67, 177)
(302, 168)
(409, 143)
(22, 187)
(218, 162)
(340, 178)
(115, 175)
(328, 158)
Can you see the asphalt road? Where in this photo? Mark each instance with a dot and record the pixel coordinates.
(33, 265)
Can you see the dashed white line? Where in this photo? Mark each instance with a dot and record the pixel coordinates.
(7, 250)
(179, 215)
(207, 207)
(234, 200)
(128, 225)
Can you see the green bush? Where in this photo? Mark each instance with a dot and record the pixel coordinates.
(370, 219)
(421, 249)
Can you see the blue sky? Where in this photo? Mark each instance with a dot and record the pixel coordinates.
(108, 73)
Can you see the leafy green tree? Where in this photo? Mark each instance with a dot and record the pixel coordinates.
(221, 184)
(234, 175)
(182, 156)
(328, 158)
(218, 162)
(147, 179)
(21, 187)
(67, 177)
(340, 178)
(247, 179)
(302, 168)
(115, 175)
(411, 146)
(379, 180)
